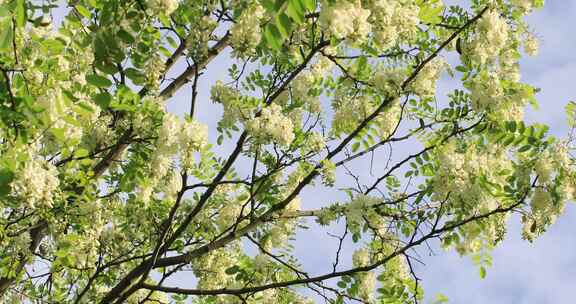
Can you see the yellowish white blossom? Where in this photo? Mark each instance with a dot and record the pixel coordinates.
(166, 7)
(272, 126)
(328, 172)
(491, 37)
(35, 184)
(345, 19)
(393, 21)
(246, 33)
(424, 84)
(531, 45)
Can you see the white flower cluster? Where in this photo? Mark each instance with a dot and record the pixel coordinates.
(35, 183)
(525, 6)
(154, 69)
(393, 21)
(166, 7)
(389, 119)
(356, 209)
(345, 19)
(174, 136)
(349, 112)
(230, 100)
(328, 172)
(491, 38)
(554, 170)
(460, 179)
(304, 85)
(486, 89)
(361, 258)
(389, 80)
(272, 126)
(142, 295)
(55, 109)
(314, 142)
(210, 269)
(246, 33)
(424, 85)
(531, 45)
(192, 138)
(228, 214)
(509, 68)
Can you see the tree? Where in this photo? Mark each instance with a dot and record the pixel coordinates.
(105, 195)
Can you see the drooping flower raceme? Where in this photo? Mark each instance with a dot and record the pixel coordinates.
(166, 7)
(393, 21)
(531, 45)
(491, 39)
(247, 33)
(345, 19)
(35, 184)
(272, 126)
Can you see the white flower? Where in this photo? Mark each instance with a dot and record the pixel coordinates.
(246, 33)
(361, 258)
(389, 118)
(166, 7)
(491, 37)
(315, 142)
(367, 284)
(153, 69)
(531, 45)
(345, 19)
(328, 172)
(193, 137)
(35, 183)
(349, 112)
(388, 81)
(393, 21)
(486, 91)
(173, 184)
(541, 200)
(272, 126)
(424, 84)
(524, 5)
(230, 100)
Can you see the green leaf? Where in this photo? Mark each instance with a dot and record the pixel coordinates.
(482, 272)
(295, 10)
(107, 67)
(273, 37)
(136, 76)
(232, 270)
(461, 69)
(524, 148)
(81, 153)
(20, 13)
(99, 81)
(309, 5)
(4, 11)
(71, 120)
(126, 37)
(431, 14)
(103, 100)
(284, 25)
(6, 177)
(5, 35)
(83, 11)
(440, 298)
